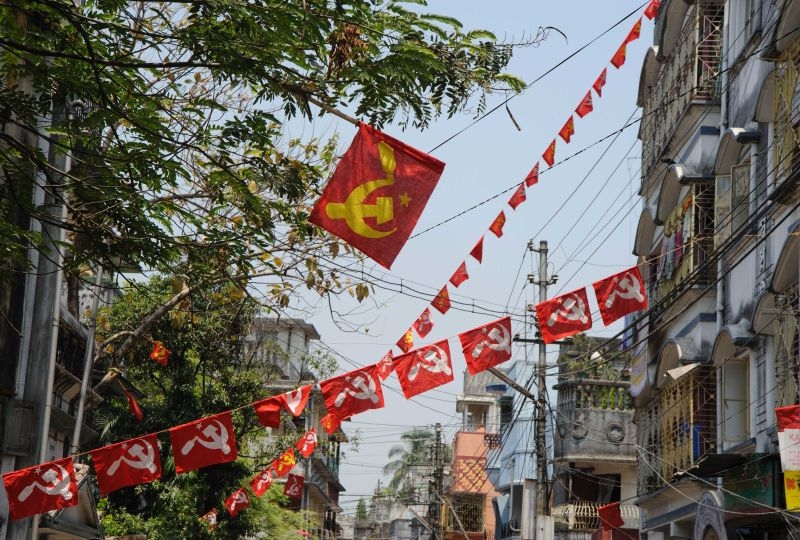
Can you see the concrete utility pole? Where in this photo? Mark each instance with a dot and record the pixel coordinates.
(436, 487)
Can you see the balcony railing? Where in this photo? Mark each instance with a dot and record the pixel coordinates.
(594, 394)
(689, 74)
(786, 113)
(583, 516)
(787, 353)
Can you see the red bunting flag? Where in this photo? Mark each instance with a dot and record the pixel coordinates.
(487, 345)
(460, 275)
(284, 463)
(549, 155)
(385, 366)
(610, 516)
(237, 502)
(442, 301)
(564, 315)
(518, 197)
(204, 442)
(423, 324)
(294, 401)
(568, 130)
(132, 404)
(533, 176)
(406, 342)
(353, 392)
(619, 57)
(159, 353)
(294, 486)
(129, 463)
(600, 82)
(210, 519)
(268, 412)
(307, 443)
(41, 488)
(652, 9)
(261, 482)
(635, 32)
(585, 106)
(376, 194)
(497, 225)
(424, 368)
(330, 423)
(477, 251)
(620, 294)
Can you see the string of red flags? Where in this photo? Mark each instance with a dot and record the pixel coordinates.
(41, 488)
(376, 194)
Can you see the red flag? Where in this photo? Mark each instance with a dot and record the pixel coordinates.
(549, 155)
(159, 353)
(132, 405)
(564, 315)
(204, 442)
(294, 486)
(295, 400)
(619, 57)
(518, 197)
(385, 366)
(261, 482)
(406, 342)
(210, 519)
(354, 392)
(788, 417)
(497, 225)
(533, 176)
(41, 488)
(487, 345)
(307, 443)
(442, 301)
(585, 106)
(376, 194)
(477, 251)
(652, 9)
(460, 275)
(424, 323)
(620, 294)
(284, 462)
(330, 423)
(610, 516)
(237, 502)
(129, 463)
(268, 412)
(600, 82)
(568, 130)
(424, 368)
(633, 35)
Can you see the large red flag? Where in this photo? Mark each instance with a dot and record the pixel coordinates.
(424, 324)
(406, 341)
(564, 315)
(619, 57)
(497, 225)
(261, 482)
(268, 412)
(487, 345)
(307, 443)
(295, 400)
(518, 197)
(41, 488)
(652, 9)
(129, 463)
(284, 462)
(568, 130)
(600, 82)
(376, 194)
(237, 502)
(460, 275)
(549, 155)
(533, 176)
(354, 392)
(610, 516)
(620, 294)
(477, 251)
(204, 442)
(424, 368)
(442, 301)
(585, 106)
(294, 486)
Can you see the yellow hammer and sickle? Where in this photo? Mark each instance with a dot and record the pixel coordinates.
(353, 210)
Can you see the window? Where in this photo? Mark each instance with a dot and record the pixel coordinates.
(740, 196)
(735, 401)
(722, 211)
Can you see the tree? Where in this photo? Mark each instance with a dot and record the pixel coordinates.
(361, 510)
(415, 452)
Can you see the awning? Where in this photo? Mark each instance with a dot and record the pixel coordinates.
(786, 268)
(644, 234)
(764, 314)
(730, 341)
(678, 372)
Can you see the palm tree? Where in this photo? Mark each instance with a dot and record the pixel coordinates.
(414, 451)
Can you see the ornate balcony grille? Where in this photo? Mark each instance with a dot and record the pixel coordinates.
(787, 345)
(468, 509)
(786, 113)
(588, 394)
(583, 516)
(648, 435)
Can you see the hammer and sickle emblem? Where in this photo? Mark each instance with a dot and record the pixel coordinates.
(572, 309)
(627, 288)
(354, 210)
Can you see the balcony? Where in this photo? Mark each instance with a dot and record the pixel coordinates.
(786, 130)
(583, 516)
(687, 77)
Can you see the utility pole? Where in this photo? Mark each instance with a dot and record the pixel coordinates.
(436, 486)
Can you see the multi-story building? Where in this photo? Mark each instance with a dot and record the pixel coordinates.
(718, 243)
(594, 451)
